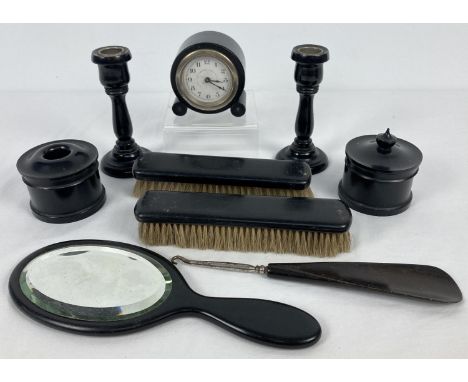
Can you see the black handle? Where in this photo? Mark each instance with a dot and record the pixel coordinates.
(411, 280)
(261, 320)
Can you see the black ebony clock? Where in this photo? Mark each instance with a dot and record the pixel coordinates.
(208, 75)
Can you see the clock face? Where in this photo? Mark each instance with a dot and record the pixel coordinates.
(207, 79)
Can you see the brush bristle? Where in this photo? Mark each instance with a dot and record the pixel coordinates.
(245, 239)
(141, 186)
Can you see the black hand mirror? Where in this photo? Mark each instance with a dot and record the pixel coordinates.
(104, 287)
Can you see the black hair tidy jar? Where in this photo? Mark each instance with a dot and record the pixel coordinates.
(63, 180)
(378, 174)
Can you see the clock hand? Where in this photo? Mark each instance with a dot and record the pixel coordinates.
(210, 81)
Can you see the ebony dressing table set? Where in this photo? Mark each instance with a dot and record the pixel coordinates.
(222, 203)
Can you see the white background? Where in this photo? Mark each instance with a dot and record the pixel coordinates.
(398, 56)
(411, 78)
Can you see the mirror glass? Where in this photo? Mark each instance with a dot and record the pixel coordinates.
(95, 282)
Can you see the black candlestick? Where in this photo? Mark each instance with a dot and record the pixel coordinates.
(113, 74)
(308, 75)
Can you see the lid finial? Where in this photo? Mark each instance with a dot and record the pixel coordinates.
(385, 141)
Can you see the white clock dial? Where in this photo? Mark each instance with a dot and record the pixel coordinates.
(207, 79)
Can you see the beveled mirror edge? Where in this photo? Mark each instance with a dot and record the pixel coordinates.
(92, 327)
(112, 312)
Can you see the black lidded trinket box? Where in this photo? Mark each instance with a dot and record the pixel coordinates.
(378, 174)
(63, 180)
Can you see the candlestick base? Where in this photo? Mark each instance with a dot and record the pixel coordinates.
(316, 158)
(119, 163)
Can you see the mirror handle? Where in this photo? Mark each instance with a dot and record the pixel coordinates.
(262, 320)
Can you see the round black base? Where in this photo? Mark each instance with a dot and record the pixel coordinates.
(238, 109)
(373, 210)
(179, 108)
(73, 216)
(120, 166)
(317, 159)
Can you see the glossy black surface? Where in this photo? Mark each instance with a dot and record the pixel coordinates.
(63, 180)
(308, 75)
(265, 321)
(378, 174)
(238, 107)
(252, 172)
(114, 76)
(321, 215)
(227, 46)
(410, 280)
(384, 153)
(310, 54)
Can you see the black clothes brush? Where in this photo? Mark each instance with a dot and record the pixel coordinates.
(225, 175)
(306, 226)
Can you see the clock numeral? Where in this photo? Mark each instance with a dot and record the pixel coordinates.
(226, 79)
(192, 70)
(206, 62)
(208, 96)
(199, 94)
(218, 95)
(198, 64)
(189, 79)
(223, 71)
(192, 87)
